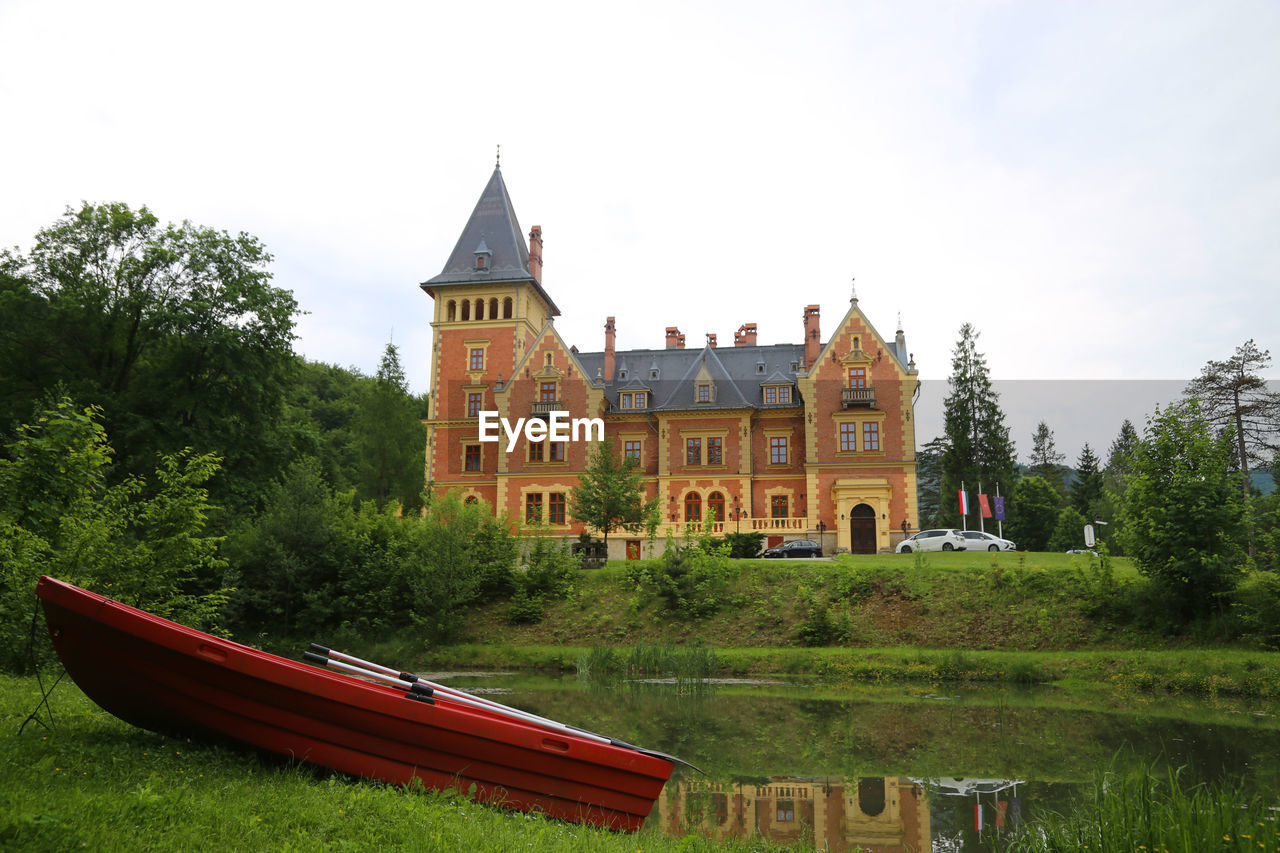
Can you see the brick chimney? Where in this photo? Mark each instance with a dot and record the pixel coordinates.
(812, 336)
(711, 339)
(745, 336)
(535, 252)
(675, 340)
(608, 350)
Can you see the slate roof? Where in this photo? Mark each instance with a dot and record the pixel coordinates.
(493, 228)
(734, 370)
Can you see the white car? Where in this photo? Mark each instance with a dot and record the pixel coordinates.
(934, 540)
(979, 541)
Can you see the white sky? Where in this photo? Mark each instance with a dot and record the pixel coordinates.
(1095, 185)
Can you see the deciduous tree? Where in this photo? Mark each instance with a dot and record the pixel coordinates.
(610, 496)
(1182, 511)
(175, 331)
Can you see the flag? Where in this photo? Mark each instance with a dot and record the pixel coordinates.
(983, 506)
(977, 817)
(999, 508)
(964, 502)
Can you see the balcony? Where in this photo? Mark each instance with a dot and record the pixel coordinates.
(858, 397)
(544, 408)
(745, 524)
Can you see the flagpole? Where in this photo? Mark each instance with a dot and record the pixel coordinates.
(999, 521)
(982, 525)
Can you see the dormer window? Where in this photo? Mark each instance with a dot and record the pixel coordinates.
(703, 394)
(777, 395)
(760, 367)
(633, 400)
(484, 257)
(653, 374)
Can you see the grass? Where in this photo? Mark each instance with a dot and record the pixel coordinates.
(1156, 813)
(96, 783)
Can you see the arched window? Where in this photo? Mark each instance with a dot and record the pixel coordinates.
(466, 310)
(693, 507)
(506, 308)
(871, 796)
(715, 506)
(493, 308)
(479, 309)
(452, 311)
(471, 499)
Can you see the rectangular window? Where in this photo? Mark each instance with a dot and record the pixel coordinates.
(536, 451)
(474, 401)
(784, 394)
(778, 450)
(473, 457)
(771, 394)
(477, 358)
(871, 436)
(555, 508)
(778, 506)
(704, 393)
(857, 377)
(533, 509)
(714, 456)
(693, 451)
(642, 399)
(848, 437)
(624, 401)
(557, 450)
(631, 450)
(548, 392)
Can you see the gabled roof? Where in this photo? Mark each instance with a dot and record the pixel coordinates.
(733, 369)
(492, 228)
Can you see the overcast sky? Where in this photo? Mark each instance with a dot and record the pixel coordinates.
(1096, 186)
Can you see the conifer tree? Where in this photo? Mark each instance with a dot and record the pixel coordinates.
(1046, 461)
(1087, 489)
(979, 450)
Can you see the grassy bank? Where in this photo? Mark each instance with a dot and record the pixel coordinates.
(958, 617)
(96, 783)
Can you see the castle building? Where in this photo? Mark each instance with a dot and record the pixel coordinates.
(814, 440)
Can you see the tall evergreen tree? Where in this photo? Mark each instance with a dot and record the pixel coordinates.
(392, 438)
(1087, 488)
(1046, 461)
(1120, 456)
(979, 450)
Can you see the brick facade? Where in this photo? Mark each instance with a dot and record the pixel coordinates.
(813, 440)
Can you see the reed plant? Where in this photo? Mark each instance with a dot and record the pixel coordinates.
(1147, 812)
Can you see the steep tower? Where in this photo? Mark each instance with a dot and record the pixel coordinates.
(489, 308)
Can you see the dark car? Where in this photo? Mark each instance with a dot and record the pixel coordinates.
(796, 548)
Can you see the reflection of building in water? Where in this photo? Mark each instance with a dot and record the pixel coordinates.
(884, 815)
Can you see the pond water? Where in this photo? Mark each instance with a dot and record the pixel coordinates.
(893, 769)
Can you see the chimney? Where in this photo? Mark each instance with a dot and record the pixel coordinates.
(608, 349)
(535, 252)
(745, 336)
(812, 337)
(675, 340)
(711, 339)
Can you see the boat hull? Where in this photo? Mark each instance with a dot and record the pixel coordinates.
(165, 677)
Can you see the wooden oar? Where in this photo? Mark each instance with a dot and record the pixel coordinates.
(323, 655)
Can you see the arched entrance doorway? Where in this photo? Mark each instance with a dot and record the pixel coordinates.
(862, 530)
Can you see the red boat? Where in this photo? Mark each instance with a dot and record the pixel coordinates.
(168, 678)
